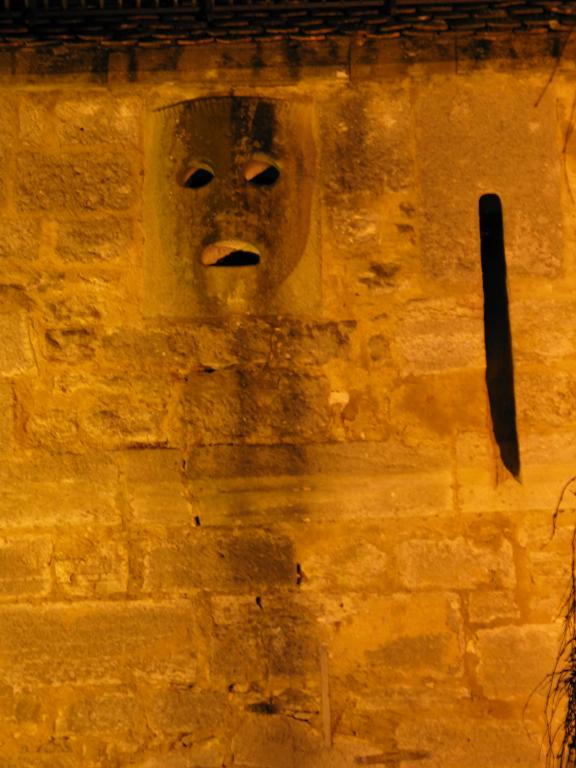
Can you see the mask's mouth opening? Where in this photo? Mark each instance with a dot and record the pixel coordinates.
(230, 253)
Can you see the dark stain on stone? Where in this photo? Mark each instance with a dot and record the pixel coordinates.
(264, 125)
(264, 707)
(293, 59)
(132, 65)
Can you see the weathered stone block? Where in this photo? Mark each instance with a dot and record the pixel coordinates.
(274, 742)
(75, 183)
(70, 345)
(492, 605)
(514, 662)
(464, 153)
(202, 559)
(474, 742)
(19, 239)
(400, 637)
(85, 119)
(367, 459)
(441, 334)
(200, 714)
(440, 402)
(546, 399)
(256, 405)
(480, 491)
(365, 142)
(100, 711)
(210, 754)
(455, 564)
(6, 417)
(127, 416)
(275, 634)
(543, 329)
(342, 558)
(156, 487)
(94, 242)
(57, 490)
(25, 567)
(95, 643)
(16, 355)
(328, 498)
(91, 564)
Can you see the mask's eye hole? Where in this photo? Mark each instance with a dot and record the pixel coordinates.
(198, 177)
(261, 173)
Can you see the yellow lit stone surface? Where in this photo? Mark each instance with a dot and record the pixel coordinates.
(212, 479)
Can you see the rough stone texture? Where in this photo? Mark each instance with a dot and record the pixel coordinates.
(74, 183)
(455, 564)
(90, 643)
(92, 241)
(508, 664)
(207, 517)
(255, 406)
(24, 567)
(91, 564)
(441, 335)
(16, 356)
(478, 743)
(250, 560)
(488, 160)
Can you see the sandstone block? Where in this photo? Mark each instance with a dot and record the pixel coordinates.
(100, 711)
(328, 498)
(367, 130)
(156, 487)
(93, 242)
(25, 567)
(400, 637)
(16, 355)
(75, 183)
(35, 116)
(128, 415)
(492, 605)
(6, 417)
(85, 119)
(19, 239)
(210, 754)
(463, 153)
(91, 564)
(455, 564)
(273, 742)
(58, 490)
(473, 742)
(369, 459)
(342, 558)
(514, 661)
(256, 405)
(441, 334)
(95, 643)
(545, 398)
(273, 634)
(478, 490)
(247, 560)
(538, 335)
(70, 345)
(164, 503)
(201, 714)
(440, 402)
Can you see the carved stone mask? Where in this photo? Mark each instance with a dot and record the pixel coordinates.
(232, 187)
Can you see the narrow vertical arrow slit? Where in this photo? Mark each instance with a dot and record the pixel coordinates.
(497, 337)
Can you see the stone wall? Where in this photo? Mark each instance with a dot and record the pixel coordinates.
(277, 533)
